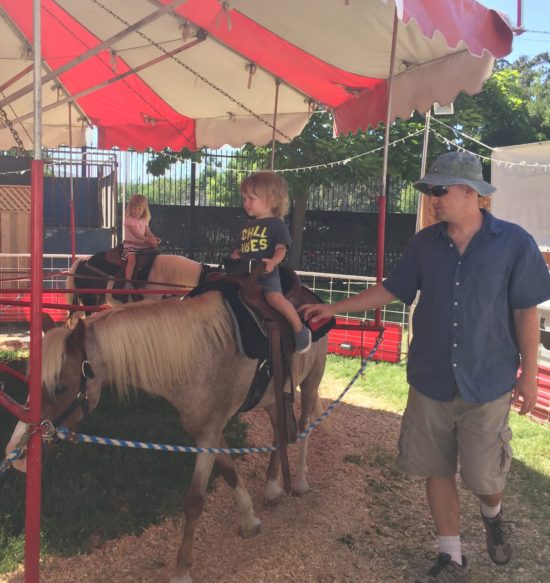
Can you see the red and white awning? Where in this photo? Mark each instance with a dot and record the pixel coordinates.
(204, 72)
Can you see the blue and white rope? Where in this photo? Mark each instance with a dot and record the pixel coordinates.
(14, 455)
(63, 433)
(338, 400)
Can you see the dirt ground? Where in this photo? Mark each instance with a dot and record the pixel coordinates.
(14, 336)
(363, 521)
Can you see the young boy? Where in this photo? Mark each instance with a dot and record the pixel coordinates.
(266, 237)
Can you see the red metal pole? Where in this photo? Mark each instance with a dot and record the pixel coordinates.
(34, 447)
(71, 179)
(519, 23)
(382, 197)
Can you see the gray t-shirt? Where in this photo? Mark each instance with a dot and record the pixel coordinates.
(258, 238)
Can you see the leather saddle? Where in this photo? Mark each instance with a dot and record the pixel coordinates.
(144, 264)
(251, 310)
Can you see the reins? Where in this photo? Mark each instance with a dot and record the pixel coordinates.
(81, 399)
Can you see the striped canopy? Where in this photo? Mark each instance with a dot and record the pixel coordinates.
(192, 73)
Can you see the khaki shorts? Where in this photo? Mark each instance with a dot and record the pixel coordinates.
(436, 436)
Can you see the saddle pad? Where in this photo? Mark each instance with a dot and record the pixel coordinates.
(252, 337)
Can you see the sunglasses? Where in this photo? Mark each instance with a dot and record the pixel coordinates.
(437, 191)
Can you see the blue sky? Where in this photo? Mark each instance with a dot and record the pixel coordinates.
(536, 17)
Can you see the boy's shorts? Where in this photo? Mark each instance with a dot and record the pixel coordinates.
(271, 282)
(436, 436)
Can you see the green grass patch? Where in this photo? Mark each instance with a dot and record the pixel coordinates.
(10, 355)
(386, 387)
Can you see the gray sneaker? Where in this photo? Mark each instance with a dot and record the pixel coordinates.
(446, 570)
(302, 340)
(499, 538)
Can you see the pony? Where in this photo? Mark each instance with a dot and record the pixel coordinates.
(186, 352)
(95, 272)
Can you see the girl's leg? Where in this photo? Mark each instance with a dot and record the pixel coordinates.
(130, 265)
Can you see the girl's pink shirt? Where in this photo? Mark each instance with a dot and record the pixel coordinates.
(140, 226)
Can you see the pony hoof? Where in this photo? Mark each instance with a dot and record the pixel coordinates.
(250, 532)
(181, 579)
(301, 490)
(273, 493)
(272, 502)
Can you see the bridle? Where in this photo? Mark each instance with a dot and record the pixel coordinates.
(81, 399)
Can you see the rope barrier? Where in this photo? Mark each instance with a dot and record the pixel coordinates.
(14, 455)
(63, 433)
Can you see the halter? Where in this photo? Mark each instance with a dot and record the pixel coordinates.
(81, 399)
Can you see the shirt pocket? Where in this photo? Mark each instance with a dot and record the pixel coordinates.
(503, 459)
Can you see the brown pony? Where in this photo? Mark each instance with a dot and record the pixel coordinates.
(186, 352)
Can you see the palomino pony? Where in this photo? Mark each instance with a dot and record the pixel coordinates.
(186, 352)
(168, 271)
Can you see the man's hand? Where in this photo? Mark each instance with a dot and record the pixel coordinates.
(526, 390)
(316, 312)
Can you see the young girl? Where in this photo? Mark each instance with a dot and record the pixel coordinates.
(137, 236)
(266, 237)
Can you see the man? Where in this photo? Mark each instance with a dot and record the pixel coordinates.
(480, 280)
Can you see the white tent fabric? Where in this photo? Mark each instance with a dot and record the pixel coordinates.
(203, 72)
(523, 189)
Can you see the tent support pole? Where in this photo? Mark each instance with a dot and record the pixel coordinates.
(382, 198)
(277, 85)
(15, 78)
(75, 96)
(420, 205)
(71, 182)
(33, 491)
(95, 50)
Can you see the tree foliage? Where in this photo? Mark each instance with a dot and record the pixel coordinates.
(513, 108)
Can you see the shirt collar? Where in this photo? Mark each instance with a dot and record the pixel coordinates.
(491, 225)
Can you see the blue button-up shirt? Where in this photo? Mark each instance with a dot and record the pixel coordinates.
(463, 327)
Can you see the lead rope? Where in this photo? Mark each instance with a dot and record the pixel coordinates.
(52, 434)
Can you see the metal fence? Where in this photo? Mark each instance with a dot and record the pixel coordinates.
(215, 182)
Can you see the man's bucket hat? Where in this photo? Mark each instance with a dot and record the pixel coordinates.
(455, 168)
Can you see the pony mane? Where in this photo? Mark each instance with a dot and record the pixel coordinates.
(156, 345)
(53, 354)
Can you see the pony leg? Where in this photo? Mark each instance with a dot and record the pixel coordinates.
(250, 523)
(192, 509)
(311, 406)
(273, 489)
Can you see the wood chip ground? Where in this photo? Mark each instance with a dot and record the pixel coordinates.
(363, 521)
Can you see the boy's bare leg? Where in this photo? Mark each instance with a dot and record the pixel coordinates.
(278, 301)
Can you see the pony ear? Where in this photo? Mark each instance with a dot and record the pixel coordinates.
(47, 322)
(76, 339)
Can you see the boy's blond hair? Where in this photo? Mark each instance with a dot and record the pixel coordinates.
(138, 200)
(270, 187)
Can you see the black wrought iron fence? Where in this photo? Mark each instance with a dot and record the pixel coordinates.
(215, 181)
